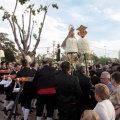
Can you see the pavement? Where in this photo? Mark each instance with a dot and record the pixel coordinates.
(32, 115)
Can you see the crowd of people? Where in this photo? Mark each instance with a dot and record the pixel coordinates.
(56, 94)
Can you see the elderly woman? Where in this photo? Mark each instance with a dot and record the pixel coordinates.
(90, 115)
(115, 95)
(104, 107)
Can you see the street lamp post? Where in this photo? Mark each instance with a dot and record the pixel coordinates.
(105, 55)
(53, 48)
(48, 50)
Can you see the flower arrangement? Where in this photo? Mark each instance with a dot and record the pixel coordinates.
(71, 45)
(83, 46)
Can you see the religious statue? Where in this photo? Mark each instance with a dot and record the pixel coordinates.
(70, 45)
(83, 47)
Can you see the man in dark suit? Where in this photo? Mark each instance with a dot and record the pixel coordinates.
(86, 87)
(34, 66)
(26, 94)
(99, 70)
(46, 92)
(68, 93)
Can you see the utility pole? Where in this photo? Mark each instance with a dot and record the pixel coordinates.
(105, 55)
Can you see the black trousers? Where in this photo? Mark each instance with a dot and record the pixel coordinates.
(68, 112)
(14, 95)
(1, 89)
(49, 100)
(8, 92)
(25, 100)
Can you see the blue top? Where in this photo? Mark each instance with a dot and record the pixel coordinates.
(110, 86)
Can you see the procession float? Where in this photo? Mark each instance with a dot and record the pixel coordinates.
(77, 51)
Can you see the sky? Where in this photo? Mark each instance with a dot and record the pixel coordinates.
(102, 17)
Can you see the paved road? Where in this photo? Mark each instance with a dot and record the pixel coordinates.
(3, 117)
(1, 107)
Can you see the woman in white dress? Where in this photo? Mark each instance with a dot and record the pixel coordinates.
(104, 107)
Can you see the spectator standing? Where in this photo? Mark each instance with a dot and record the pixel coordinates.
(105, 79)
(86, 86)
(115, 95)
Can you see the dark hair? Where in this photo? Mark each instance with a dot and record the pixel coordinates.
(33, 64)
(118, 68)
(7, 63)
(24, 62)
(44, 61)
(3, 62)
(65, 66)
(50, 63)
(116, 77)
(92, 73)
(97, 66)
(16, 64)
(90, 67)
(115, 64)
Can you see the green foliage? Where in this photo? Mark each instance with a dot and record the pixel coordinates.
(103, 60)
(95, 58)
(9, 56)
(14, 18)
(33, 12)
(1, 8)
(39, 58)
(23, 1)
(35, 36)
(55, 6)
(8, 46)
(21, 29)
(6, 15)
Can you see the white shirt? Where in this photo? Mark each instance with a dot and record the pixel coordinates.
(105, 110)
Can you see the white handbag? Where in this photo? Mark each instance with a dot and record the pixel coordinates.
(8, 82)
(3, 81)
(16, 90)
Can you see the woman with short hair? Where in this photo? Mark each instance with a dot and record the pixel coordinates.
(104, 107)
(90, 115)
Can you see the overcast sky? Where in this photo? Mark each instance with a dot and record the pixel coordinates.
(102, 17)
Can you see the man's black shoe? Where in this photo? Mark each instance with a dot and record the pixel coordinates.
(5, 111)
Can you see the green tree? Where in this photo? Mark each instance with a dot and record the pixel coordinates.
(40, 57)
(8, 47)
(25, 34)
(95, 58)
(103, 60)
(9, 56)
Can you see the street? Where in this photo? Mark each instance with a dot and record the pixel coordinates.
(3, 117)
